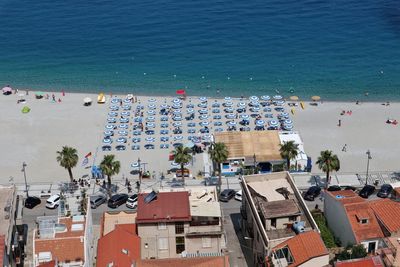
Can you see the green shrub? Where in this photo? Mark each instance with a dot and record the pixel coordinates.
(326, 234)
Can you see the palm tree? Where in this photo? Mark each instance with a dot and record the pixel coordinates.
(109, 166)
(219, 154)
(68, 158)
(328, 162)
(289, 151)
(182, 155)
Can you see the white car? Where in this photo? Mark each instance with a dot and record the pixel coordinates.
(132, 201)
(53, 201)
(238, 195)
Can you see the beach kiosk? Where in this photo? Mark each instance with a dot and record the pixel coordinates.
(259, 149)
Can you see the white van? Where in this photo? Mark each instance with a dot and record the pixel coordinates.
(238, 195)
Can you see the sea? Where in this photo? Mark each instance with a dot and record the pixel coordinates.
(341, 50)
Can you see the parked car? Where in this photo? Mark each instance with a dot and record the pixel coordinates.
(106, 148)
(312, 192)
(211, 181)
(385, 191)
(117, 200)
(238, 195)
(32, 202)
(97, 200)
(120, 147)
(226, 195)
(366, 191)
(132, 201)
(334, 188)
(53, 201)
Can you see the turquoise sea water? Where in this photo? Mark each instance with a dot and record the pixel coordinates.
(338, 49)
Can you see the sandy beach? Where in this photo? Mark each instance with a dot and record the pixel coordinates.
(36, 136)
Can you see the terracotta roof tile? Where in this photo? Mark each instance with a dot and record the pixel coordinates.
(304, 247)
(48, 264)
(110, 247)
(167, 207)
(66, 249)
(388, 213)
(363, 231)
(222, 261)
(375, 261)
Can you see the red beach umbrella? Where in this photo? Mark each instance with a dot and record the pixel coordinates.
(181, 92)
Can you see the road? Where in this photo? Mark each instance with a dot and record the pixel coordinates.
(234, 238)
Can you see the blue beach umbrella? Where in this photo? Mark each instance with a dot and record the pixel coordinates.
(203, 99)
(164, 106)
(279, 102)
(253, 98)
(152, 100)
(228, 98)
(176, 106)
(273, 123)
(176, 101)
(231, 123)
(278, 97)
(151, 106)
(244, 116)
(288, 121)
(241, 104)
(284, 114)
(229, 104)
(265, 97)
(260, 123)
(288, 127)
(203, 117)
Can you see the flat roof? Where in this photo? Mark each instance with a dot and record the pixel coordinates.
(205, 209)
(269, 192)
(264, 144)
(111, 219)
(6, 200)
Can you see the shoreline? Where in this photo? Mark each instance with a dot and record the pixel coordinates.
(285, 96)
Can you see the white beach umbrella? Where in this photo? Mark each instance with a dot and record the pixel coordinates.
(241, 104)
(253, 98)
(231, 123)
(279, 102)
(278, 97)
(273, 123)
(265, 97)
(203, 99)
(288, 121)
(152, 100)
(228, 98)
(203, 117)
(87, 100)
(260, 123)
(244, 116)
(288, 127)
(284, 114)
(176, 101)
(228, 103)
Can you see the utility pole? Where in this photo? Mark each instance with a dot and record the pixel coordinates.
(26, 184)
(368, 158)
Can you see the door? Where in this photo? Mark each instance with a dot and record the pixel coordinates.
(371, 247)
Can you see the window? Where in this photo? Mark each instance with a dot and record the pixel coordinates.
(364, 221)
(180, 244)
(179, 228)
(162, 226)
(273, 222)
(206, 242)
(162, 243)
(292, 218)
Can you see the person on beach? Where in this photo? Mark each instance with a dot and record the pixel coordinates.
(344, 149)
(27, 92)
(63, 93)
(340, 123)
(53, 97)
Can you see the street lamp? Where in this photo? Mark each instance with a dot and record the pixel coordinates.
(26, 185)
(140, 173)
(369, 157)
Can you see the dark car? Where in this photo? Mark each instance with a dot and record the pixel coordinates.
(32, 202)
(385, 191)
(227, 194)
(117, 200)
(211, 181)
(106, 148)
(366, 191)
(334, 188)
(312, 192)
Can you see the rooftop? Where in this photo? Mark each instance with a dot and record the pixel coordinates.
(111, 219)
(363, 221)
(63, 238)
(388, 213)
(120, 246)
(221, 261)
(263, 144)
(346, 196)
(274, 195)
(374, 261)
(280, 208)
(2, 248)
(304, 247)
(166, 207)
